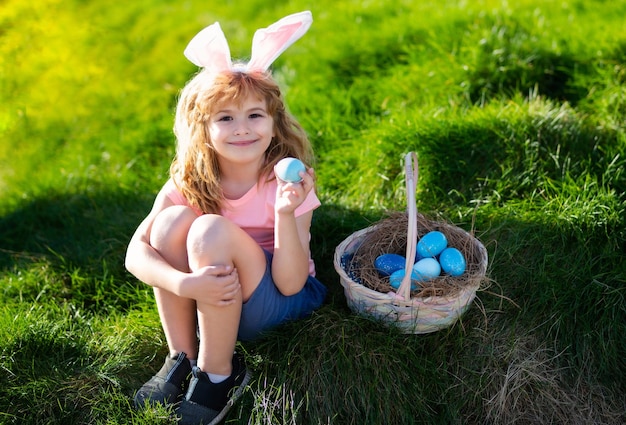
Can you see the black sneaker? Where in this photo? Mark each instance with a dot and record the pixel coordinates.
(168, 385)
(207, 403)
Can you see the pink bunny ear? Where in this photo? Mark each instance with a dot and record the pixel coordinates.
(209, 49)
(268, 43)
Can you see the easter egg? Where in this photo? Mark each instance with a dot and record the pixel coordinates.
(452, 261)
(431, 244)
(350, 268)
(395, 280)
(288, 169)
(386, 264)
(426, 269)
(417, 257)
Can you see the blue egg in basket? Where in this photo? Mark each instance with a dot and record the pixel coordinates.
(452, 261)
(386, 264)
(395, 280)
(426, 269)
(350, 268)
(431, 244)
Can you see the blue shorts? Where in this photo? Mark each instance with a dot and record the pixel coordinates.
(267, 307)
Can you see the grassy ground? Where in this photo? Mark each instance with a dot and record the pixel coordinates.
(515, 110)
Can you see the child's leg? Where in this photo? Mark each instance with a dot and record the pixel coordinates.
(178, 315)
(214, 240)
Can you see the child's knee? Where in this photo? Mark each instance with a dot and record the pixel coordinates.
(170, 227)
(208, 231)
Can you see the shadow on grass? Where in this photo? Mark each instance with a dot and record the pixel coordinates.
(512, 60)
(71, 247)
(519, 71)
(81, 228)
(509, 63)
(337, 366)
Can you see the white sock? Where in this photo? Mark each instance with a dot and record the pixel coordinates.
(216, 379)
(193, 362)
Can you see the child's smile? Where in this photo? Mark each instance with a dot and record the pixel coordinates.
(241, 132)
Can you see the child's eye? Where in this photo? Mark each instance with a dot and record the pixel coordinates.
(255, 115)
(225, 118)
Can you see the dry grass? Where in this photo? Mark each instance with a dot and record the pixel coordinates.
(389, 236)
(524, 382)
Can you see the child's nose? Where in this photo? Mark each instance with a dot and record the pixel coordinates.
(241, 128)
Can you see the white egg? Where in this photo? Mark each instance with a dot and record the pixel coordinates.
(426, 269)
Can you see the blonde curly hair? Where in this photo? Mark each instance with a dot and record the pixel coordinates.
(195, 169)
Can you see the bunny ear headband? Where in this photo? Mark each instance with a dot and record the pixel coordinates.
(209, 48)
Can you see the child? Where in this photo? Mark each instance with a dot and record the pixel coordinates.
(226, 244)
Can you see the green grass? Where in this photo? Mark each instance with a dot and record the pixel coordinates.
(516, 110)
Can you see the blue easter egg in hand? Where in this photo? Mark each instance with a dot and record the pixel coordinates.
(426, 269)
(289, 169)
(431, 244)
(395, 280)
(386, 264)
(452, 261)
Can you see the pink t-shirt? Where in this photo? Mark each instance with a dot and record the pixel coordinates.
(253, 212)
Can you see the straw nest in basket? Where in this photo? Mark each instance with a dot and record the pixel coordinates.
(389, 236)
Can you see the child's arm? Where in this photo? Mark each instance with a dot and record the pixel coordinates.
(147, 265)
(290, 265)
(143, 261)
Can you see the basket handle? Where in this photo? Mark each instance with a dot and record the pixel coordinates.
(410, 169)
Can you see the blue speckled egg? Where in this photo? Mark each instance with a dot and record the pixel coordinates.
(395, 280)
(452, 261)
(426, 269)
(289, 169)
(350, 267)
(386, 264)
(431, 244)
(417, 257)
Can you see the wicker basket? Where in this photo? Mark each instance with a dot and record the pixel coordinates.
(417, 315)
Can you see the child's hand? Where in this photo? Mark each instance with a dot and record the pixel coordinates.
(290, 196)
(214, 285)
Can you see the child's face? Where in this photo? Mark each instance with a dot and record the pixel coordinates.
(241, 133)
